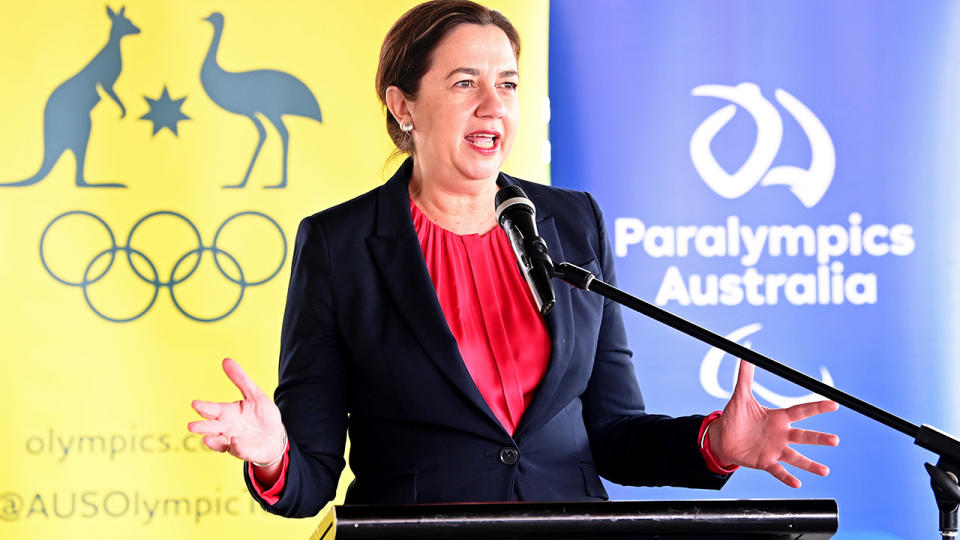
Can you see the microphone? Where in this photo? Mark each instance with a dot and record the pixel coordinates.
(517, 216)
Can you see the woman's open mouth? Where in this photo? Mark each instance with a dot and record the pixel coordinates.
(485, 142)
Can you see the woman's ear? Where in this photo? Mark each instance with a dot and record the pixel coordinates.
(398, 103)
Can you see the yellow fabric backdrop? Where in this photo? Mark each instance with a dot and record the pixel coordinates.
(94, 441)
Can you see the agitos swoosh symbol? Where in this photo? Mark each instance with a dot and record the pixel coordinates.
(710, 374)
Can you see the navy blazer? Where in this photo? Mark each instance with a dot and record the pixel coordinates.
(365, 347)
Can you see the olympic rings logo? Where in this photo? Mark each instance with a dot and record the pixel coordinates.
(147, 273)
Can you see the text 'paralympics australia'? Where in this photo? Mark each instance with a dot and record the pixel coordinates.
(825, 283)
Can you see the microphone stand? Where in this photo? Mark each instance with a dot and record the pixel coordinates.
(943, 475)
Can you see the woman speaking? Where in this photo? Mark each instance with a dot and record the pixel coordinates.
(408, 322)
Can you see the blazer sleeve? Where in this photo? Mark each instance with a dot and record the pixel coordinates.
(629, 446)
(312, 391)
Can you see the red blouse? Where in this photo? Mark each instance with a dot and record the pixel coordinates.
(482, 294)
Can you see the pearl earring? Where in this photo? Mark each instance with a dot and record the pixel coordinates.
(406, 127)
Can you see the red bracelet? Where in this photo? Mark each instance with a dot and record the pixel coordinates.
(704, 438)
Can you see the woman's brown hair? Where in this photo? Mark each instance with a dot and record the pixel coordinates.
(407, 49)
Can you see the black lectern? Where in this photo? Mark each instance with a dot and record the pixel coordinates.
(725, 519)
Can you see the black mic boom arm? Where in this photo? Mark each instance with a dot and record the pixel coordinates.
(930, 438)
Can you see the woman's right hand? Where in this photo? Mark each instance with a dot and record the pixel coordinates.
(250, 429)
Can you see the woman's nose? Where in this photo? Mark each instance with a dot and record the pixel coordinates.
(491, 103)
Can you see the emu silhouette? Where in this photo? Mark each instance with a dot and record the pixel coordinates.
(268, 92)
(66, 117)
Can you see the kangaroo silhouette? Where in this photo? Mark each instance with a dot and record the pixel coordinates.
(66, 117)
(266, 91)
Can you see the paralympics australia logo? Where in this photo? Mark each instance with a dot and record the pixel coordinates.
(710, 374)
(825, 252)
(164, 250)
(809, 185)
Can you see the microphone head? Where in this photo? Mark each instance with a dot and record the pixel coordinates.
(512, 197)
(508, 192)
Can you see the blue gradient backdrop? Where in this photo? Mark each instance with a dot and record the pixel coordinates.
(881, 78)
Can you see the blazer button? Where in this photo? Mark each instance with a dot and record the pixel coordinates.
(509, 456)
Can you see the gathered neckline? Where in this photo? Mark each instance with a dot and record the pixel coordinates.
(416, 212)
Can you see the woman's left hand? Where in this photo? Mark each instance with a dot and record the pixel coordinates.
(751, 435)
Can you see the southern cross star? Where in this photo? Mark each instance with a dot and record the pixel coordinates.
(165, 112)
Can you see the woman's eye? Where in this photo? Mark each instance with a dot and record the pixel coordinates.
(463, 84)
(510, 85)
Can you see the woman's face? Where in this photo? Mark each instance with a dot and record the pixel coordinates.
(465, 116)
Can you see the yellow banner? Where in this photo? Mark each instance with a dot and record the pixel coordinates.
(157, 158)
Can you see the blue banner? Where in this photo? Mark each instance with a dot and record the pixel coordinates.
(782, 173)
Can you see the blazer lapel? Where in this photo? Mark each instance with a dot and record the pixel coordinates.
(559, 325)
(399, 258)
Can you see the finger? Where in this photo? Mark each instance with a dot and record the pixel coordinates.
(806, 410)
(744, 378)
(207, 409)
(206, 427)
(792, 457)
(238, 448)
(803, 436)
(247, 387)
(217, 443)
(782, 475)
